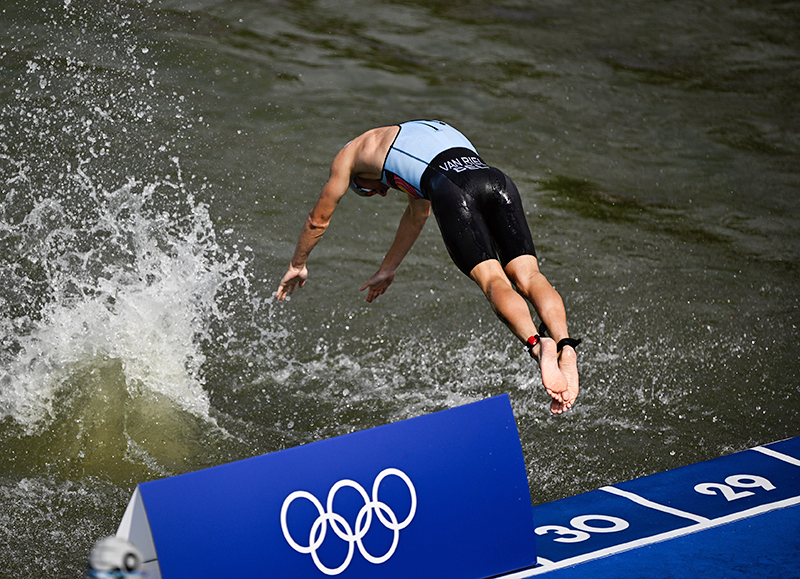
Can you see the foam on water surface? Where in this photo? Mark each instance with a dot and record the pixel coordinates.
(114, 279)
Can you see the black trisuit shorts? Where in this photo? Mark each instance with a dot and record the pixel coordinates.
(478, 209)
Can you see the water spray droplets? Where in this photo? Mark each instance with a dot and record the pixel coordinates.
(131, 274)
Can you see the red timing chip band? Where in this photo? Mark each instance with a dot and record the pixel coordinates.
(532, 341)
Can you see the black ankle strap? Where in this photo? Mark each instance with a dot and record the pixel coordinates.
(568, 342)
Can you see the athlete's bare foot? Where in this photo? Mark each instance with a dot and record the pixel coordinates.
(568, 366)
(553, 379)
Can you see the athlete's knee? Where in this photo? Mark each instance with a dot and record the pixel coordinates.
(523, 271)
(484, 268)
(489, 273)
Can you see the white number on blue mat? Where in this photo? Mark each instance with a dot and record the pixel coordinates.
(582, 528)
(742, 481)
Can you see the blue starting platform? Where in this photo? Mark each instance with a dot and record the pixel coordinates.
(446, 495)
(733, 516)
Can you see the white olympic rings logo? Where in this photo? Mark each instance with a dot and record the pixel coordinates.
(343, 529)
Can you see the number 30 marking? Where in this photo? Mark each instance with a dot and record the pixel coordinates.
(742, 481)
(567, 535)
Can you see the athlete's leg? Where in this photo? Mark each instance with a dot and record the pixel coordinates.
(456, 213)
(509, 306)
(512, 309)
(524, 272)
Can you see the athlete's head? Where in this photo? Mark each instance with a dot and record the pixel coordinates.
(368, 187)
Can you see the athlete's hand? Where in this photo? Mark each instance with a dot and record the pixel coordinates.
(293, 277)
(377, 284)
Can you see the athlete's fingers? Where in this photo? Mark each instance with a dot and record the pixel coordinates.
(286, 288)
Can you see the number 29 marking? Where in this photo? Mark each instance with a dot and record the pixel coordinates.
(742, 481)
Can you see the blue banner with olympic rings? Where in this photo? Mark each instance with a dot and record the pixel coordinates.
(443, 495)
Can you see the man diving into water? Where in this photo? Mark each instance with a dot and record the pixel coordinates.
(480, 215)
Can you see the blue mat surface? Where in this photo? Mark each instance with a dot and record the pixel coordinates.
(734, 516)
(767, 545)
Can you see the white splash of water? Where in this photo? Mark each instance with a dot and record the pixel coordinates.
(120, 276)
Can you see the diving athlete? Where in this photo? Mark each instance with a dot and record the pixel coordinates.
(480, 216)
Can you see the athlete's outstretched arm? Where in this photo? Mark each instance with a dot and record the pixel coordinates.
(411, 224)
(317, 222)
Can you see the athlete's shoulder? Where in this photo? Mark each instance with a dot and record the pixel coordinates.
(367, 151)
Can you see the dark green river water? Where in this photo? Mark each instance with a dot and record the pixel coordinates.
(157, 159)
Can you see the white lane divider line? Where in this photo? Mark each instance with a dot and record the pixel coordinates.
(779, 455)
(656, 506)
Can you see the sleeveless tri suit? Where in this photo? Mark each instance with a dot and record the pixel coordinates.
(477, 207)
